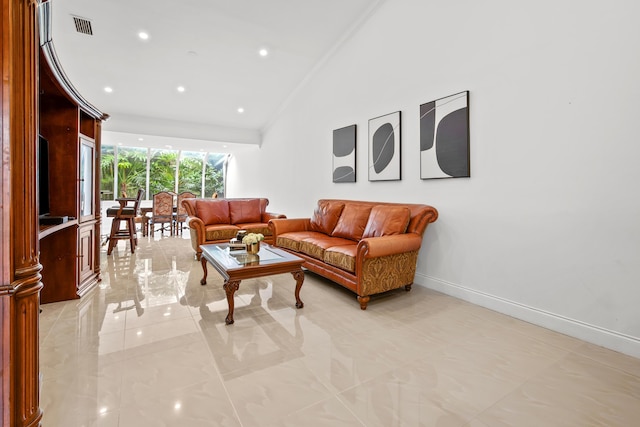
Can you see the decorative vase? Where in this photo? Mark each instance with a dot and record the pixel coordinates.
(253, 248)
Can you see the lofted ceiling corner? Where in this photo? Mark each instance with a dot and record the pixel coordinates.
(209, 49)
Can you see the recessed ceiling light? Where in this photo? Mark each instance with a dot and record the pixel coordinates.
(240, 110)
(143, 35)
(140, 139)
(181, 88)
(263, 52)
(108, 89)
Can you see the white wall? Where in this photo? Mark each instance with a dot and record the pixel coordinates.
(547, 228)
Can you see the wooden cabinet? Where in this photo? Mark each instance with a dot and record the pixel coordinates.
(86, 258)
(69, 254)
(73, 139)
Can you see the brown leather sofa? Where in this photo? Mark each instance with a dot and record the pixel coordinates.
(367, 247)
(218, 220)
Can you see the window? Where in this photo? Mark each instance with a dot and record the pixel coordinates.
(107, 161)
(158, 170)
(190, 172)
(162, 172)
(132, 170)
(214, 175)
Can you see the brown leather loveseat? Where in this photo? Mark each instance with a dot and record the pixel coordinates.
(218, 220)
(367, 247)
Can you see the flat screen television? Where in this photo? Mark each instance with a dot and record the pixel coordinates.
(42, 177)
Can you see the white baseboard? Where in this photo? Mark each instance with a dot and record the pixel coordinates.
(594, 334)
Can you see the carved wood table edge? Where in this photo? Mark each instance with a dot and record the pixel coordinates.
(235, 266)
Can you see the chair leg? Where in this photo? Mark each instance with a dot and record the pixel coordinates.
(132, 234)
(115, 225)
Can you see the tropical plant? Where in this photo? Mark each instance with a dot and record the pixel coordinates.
(162, 173)
(132, 170)
(213, 174)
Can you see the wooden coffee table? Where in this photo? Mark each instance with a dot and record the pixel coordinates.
(234, 266)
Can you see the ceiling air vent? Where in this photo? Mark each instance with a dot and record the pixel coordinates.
(83, 25)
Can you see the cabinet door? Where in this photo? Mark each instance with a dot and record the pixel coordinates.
(86, 252)
(87, 189)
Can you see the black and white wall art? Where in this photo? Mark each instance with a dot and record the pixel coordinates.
(344, 154)
(384, 148)
(444, 137)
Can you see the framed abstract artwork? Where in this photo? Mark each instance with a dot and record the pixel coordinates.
(444, 137)
(384, 148)
(344, 154)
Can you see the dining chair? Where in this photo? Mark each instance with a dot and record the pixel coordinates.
(162, 212)
(181, 212)
(126, 212)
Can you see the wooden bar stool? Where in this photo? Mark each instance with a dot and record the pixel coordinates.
(124, 213)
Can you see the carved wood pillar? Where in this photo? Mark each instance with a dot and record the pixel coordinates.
(20, 267)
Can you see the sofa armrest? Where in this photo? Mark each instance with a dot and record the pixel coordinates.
(375, 247)
(197, 226)
(385, 263)
(266, 216)
(286, 225)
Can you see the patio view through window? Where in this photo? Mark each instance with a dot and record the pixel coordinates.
(124, 170)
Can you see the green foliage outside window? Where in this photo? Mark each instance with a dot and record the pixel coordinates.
(132, 172)
(162, 175)
(214, 176)
(190, 173)
(106, 170)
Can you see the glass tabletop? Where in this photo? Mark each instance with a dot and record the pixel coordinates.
(223, 255)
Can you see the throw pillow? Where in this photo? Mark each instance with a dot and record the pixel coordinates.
(245, 211)
(325, 216)
(387, 220)
(214, 211)
(352, 222)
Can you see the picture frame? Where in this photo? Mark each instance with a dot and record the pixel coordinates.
(344, 154)
(444, 137)
(385, 148)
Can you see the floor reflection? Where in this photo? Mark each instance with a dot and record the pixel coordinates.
(150, 347)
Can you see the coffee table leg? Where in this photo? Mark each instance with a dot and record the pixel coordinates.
(230, 287)
(203, 281)
(299, 276)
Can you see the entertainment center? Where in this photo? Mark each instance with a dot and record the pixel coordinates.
(70, 224)
(41, 111)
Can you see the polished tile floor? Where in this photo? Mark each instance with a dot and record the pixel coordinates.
(149, 347)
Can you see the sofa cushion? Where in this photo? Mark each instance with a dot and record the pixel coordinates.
(292, 240)
(256, 227)
(315, 245)
(213, 211)
(343, 257)
(325, 216)
(387, 220)
(352, 222)
(245, 211)
(220, 232)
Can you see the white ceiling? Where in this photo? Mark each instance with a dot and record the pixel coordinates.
(208, 46)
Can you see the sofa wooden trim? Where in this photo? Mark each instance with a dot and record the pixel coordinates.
(381, 263)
